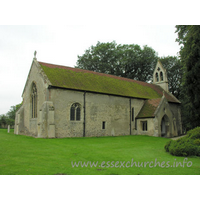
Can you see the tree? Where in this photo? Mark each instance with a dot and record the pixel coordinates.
(9, 118)
(137, 63)
(3, 121)
(12, 111)
(99, 58)
(130, 61)
(174, 73)
(189, 39)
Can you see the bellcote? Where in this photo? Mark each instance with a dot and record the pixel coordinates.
(160, 76)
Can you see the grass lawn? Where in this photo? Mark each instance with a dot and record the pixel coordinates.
(26, 155)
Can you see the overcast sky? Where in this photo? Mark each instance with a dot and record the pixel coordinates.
(62, 44)
(79, 24)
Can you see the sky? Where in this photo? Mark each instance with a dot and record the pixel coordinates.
(61, 31)
(61, 44)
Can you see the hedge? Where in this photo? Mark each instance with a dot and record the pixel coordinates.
(185, 146)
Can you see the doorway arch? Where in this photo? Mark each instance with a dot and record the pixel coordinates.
(165, 126)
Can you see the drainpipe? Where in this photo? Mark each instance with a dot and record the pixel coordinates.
(84, 113)
(130, 114)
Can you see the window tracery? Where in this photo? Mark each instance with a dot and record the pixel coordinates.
(75, 112)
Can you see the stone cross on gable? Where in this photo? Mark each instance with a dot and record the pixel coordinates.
(35, 54)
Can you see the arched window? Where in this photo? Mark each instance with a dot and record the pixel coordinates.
(161, 76)
(34, 101)
(157, 78)
(75, 112)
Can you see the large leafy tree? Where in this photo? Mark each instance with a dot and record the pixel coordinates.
(129, 61)
(99, 58)
(189, 39)
(137, 63)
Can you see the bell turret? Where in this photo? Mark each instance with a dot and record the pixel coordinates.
(160, 76)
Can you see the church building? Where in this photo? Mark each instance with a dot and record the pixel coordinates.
(61, 101)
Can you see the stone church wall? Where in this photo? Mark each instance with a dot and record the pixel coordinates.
(99, 109)
(105, 115)
(151, 131)
(137, 105)
(177, 113)
(109, 110)
(62, 101)
(30, 125)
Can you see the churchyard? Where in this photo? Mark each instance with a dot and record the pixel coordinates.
(123, 155)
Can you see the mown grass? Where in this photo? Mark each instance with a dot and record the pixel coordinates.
(26, 155)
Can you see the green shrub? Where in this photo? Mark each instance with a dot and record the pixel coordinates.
(177, 149)
(183, 140)
(167, 145)
(183, 149)
(197, 142)
(194, 133)
(185, 146)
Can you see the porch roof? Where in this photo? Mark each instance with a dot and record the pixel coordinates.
(149, 108)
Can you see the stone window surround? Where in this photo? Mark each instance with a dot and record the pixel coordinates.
(75, 112)
(144, 125)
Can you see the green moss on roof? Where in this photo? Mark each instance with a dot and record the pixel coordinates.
(78, 79)
(149, 108)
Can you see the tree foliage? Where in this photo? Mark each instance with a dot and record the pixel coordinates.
(129, 61)
(189, 39)
(9, 118)
(3, 121)
(174, 73)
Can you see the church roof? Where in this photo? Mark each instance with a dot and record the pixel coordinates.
(85, 80)
(149, 108)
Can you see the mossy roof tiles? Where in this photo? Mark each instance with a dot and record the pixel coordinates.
(85, 80)
(149, 108)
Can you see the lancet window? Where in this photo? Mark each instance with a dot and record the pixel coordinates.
(34, 101)
(75, 112)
